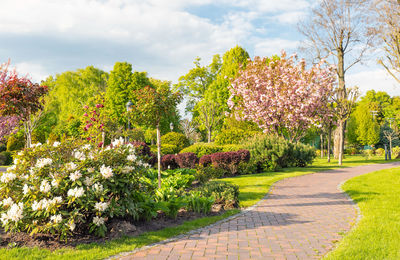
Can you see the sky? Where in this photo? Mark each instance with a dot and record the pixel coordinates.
(162, 37)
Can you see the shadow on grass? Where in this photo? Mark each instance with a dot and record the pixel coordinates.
(359, 196)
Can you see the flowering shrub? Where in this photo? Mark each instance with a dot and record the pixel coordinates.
(67, 187)
(168, 161)
(143, 150)
(187, 160)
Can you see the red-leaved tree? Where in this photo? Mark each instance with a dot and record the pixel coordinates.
(282, 96)
(20, 97)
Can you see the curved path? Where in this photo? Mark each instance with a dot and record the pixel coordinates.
(301, 218)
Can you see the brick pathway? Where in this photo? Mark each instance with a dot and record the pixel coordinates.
(301, 218)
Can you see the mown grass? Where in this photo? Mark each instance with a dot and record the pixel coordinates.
(252, 188)
(377, 235)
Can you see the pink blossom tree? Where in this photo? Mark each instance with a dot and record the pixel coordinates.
(282, 96)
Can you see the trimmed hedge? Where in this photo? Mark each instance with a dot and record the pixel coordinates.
(234, 136)
(176, 139)
(201, 149)
(230, 161)
(187, 160)
(168, 161)
(5, 158)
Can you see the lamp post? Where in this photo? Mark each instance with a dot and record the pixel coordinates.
(128, 105)
(171, 126)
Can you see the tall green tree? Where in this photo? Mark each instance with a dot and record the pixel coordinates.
(121, 85)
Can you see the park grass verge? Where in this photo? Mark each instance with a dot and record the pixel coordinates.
(377, 234)
(252, 188)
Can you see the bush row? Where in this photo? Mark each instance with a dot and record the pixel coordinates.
(201, 149)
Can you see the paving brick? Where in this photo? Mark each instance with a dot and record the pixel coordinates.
(299, 219)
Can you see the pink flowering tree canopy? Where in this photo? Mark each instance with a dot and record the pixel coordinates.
(8, 125)
(281, 95)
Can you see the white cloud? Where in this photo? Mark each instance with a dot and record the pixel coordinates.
(268, 47)
(377, 79)
(36, 72)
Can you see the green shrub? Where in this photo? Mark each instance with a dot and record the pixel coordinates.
(233, 136)
(16, 142)
(199, 204)
(5, 158)
(177, 139)
(201, 149)
(169, 149)
(3, 147)
(396, 152)
(269, 153)
(205, 173)
(351, 151)
(368, 152)
(66, 187)
(224, 193)
(135, 134)
(380, 151)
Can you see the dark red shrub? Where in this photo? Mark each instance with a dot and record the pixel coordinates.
(153, 159)
(187, 160)
(205, 160)
(168, 161)
(244, 155)
(142, 148)
(228, 161)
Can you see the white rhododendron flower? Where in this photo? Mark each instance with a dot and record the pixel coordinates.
(101, 206)
(91, 156)
(43, 162)
(56, 144)
(106, 171)
(97, 187)
(75, 175)
(26, 189)
(21, 153)
(43, 204)
(16, 161)
(88, 181)
(55, 183)
(128, 169)
(131, 157)
(90, 170)
(76, 192)
(36, 145)
(71, 226)
(45, 186)
(15, 213)
(71, 166)
(79, 155)
(118, 142)
(86, 147)
(7, 177)
(98, 221)
(7, 202)
(56, 218)
(56, 200)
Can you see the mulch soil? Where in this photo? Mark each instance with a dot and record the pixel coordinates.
(117, 228)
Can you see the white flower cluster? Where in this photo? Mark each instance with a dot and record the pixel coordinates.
(36, 145)
(26, 189)
(76, 192)
(71, 226)
(56, 218)
(7, 177)
(86, 147)
(80, 156)
(45, 186)
(88, 181)
(7, 202)
(97, 187)
(43, 162)
(131, 157)
(55, 183)
(71, 166)
(98, 221)
(45, 204)
(56, 144)
(101, 206)
(118, 142)
(127, 169)
(106, 171)
(15, 213)
(74, 176)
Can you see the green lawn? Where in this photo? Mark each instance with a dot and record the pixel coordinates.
(252, 189)
(377, 235)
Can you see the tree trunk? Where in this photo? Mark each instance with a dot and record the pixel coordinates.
(159, 155)
(340, 158)
(322, 145)
(329, 144)
(28, 134)
(209, 135)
